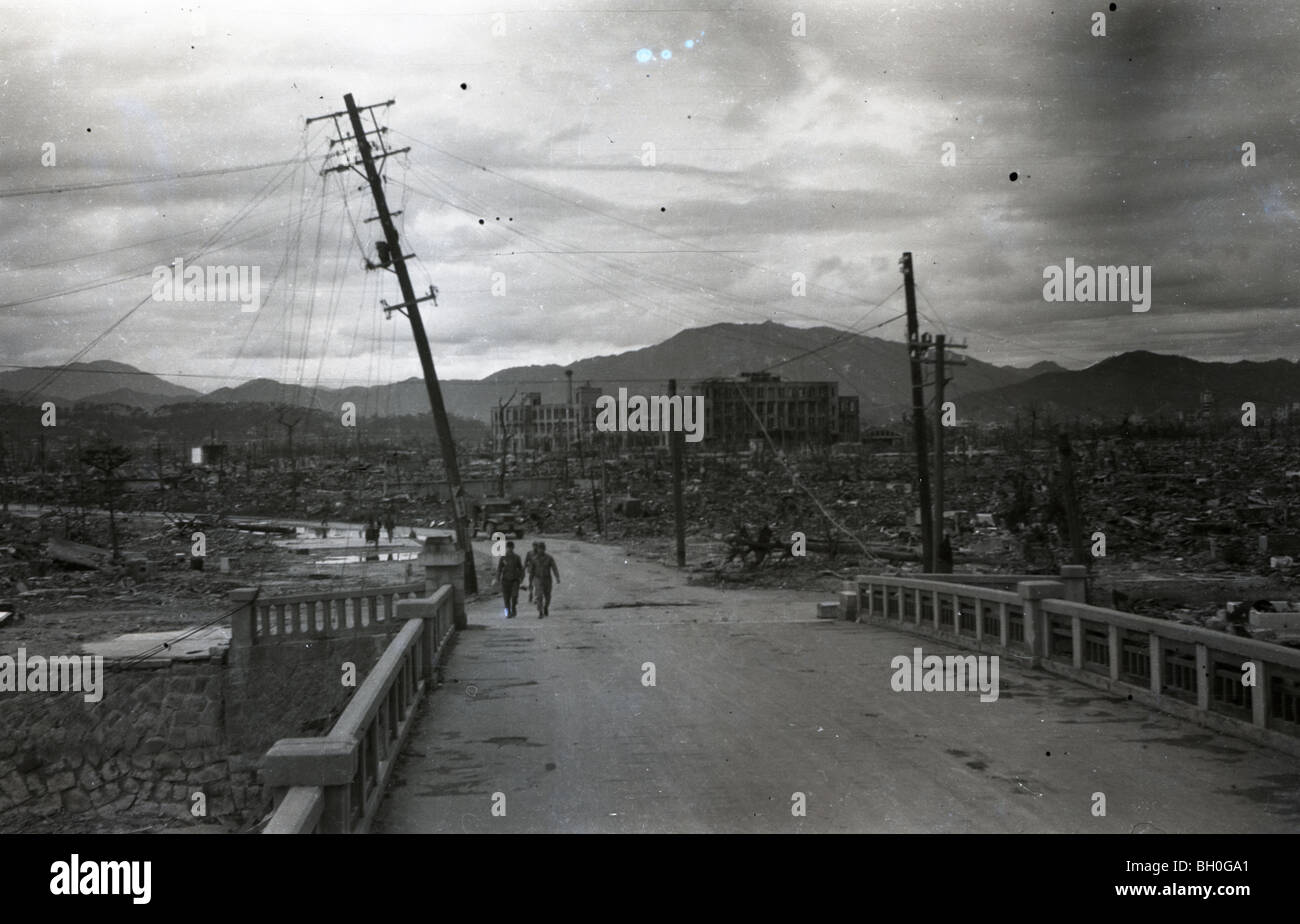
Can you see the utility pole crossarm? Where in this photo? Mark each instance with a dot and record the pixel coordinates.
(343, 112)
(402, 307)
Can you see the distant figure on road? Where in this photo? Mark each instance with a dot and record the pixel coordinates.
(372, 530)
(945, 556)
(542, 567)
(389, 524)
(528, 569)
(510, 571)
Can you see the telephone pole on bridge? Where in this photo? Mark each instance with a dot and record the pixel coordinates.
(391, 256)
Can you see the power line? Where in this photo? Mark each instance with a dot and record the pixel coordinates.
(794, 477)
(163, 646)
(842, 337)
(230, 223)
(1024, 344)
(546, 192)
(670, 282)
(143, 269)
(158, 178)
(100, 253)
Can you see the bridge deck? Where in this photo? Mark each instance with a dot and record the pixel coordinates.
(753, 704)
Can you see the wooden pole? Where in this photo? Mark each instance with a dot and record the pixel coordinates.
(1071, 501)
(412, 308)
(939, 341)
(914, 350)
(675, 437)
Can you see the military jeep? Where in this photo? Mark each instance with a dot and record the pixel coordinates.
(499, 514)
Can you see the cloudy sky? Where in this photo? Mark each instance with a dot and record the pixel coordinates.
(621, 174)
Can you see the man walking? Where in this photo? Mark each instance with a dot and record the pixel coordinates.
(528, 569)
(542, 567)
(510, 570)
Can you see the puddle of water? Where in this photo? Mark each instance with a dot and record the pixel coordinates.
(369, 556)
(317, 532)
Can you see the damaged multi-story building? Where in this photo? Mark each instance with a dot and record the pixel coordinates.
(738, 411)
(529, 424)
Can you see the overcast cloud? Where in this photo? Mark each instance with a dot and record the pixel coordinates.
(774, 154)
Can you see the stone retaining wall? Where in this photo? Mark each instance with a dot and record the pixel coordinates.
(154, 740)
(166, 731)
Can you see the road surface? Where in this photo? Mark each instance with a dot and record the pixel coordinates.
(759, 709)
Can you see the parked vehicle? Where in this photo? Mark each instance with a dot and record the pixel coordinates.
(499, 514)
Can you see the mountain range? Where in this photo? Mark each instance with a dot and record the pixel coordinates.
(99, 382)
(1146, 384)
(876, 370)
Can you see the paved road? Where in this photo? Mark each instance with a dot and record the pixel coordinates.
(755, 700)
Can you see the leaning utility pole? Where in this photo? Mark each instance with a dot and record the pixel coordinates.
(915, 348)
(941, 345)
(675, 437)
(390, 254)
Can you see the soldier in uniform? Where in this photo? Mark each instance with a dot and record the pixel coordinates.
(542, 567)
(510, 571)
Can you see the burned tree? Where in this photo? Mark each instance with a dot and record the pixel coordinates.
(104, 457)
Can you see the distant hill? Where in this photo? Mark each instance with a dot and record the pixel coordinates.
(1145, 383)
(873, 369)
(1139, 382)
(396, 399)
(132, 398)
(95, 381)
(266, 391)
(1041, 368)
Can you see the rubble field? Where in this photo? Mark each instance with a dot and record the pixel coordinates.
(1194, 530)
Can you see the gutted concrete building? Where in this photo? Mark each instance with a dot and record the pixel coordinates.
(738, 411)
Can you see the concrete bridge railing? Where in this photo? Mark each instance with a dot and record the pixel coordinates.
(1188, 671)
(302, 617)
(334, 784)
